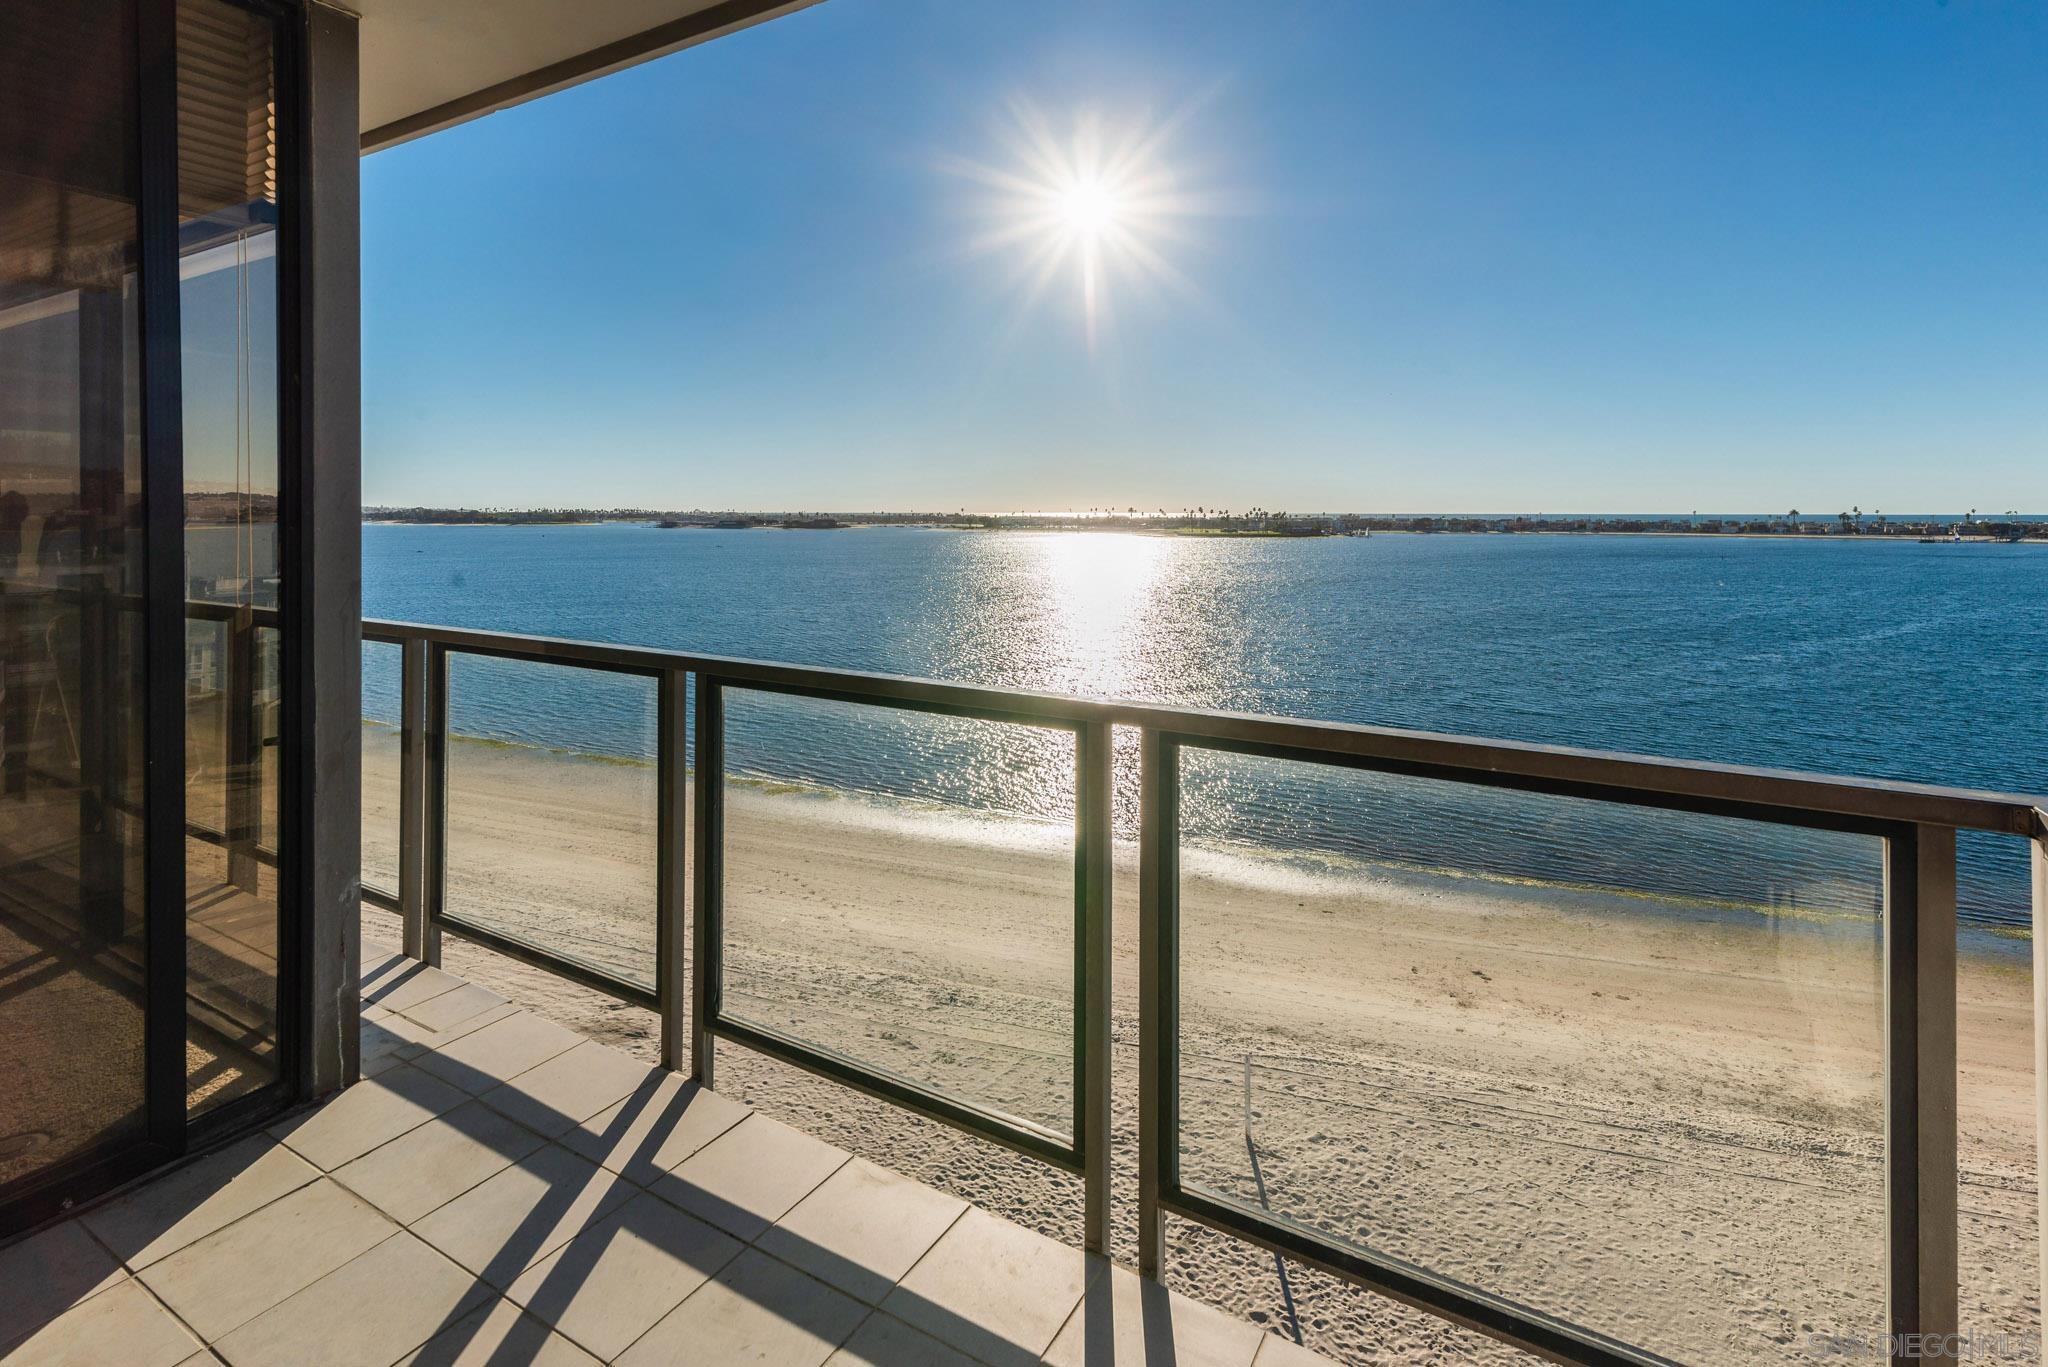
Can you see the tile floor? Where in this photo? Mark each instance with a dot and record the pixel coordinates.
(501, 1190)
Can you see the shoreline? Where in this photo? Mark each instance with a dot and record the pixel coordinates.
(1254, 866)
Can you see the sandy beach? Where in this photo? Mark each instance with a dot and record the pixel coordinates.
(1661, 1124)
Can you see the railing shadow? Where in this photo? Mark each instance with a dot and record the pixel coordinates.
(569, 1231)
(655, 1118)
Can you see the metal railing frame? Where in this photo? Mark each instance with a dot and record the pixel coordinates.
(693, 1020)
(1916, 823)
(1919, 929)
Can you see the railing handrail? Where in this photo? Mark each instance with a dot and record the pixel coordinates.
(1703, 781)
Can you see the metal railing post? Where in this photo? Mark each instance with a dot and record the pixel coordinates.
(672, 934)
(2040, 937)
(244, 787)
(412, 796)
(707, 855)
(433, 802)
(1094, 868)
(1920, 1084)
(1158, 992)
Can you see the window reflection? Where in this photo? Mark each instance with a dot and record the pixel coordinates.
(71, 702)
(227, 183)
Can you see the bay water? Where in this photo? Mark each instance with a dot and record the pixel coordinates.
(1888, 659)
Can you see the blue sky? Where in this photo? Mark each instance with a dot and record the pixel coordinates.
(1539, 255)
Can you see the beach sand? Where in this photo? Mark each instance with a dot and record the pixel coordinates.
(1658, 1122)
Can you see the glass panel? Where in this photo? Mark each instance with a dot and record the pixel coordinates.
(1997, 1213)
(1620, 1065)
(71, 697)
(552, 792)
(206, 724)
(899, 889)
(228, 296)
(383, 664)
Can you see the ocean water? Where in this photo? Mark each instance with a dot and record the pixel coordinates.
(1892, 660)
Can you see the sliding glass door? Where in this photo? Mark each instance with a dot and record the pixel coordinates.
(73, 828)
(144, 729)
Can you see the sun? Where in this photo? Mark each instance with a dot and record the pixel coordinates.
(1089, 208)
(1093, 200)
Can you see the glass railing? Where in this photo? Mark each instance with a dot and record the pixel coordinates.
(950, 920)
(548, 810)
(1616, 1059)
(383, 767)
(1579, 1036)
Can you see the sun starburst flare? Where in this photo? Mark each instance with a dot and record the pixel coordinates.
(1096, 202)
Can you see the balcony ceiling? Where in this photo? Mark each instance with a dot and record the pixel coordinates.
(427, 64)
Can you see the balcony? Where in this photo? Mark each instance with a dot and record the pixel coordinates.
(1497, 1118)
(1729, 1001)
(500, 1188)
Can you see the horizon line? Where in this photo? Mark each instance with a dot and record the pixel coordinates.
(629, 513)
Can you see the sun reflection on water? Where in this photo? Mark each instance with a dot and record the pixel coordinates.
(1099, 590)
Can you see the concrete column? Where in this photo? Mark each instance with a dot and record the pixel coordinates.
(327, 558)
